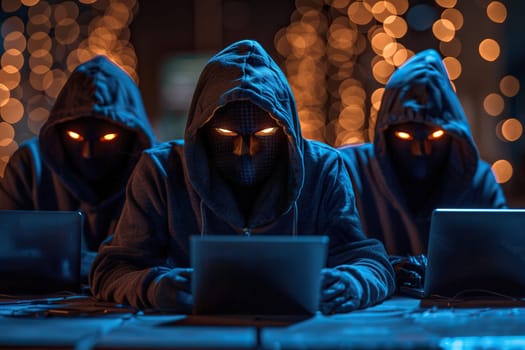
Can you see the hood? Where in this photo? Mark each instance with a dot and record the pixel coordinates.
(244, 71)
(420, 91)
(97, 89)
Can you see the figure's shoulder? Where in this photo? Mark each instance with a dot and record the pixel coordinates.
(483, 165)
(353, 153)
(357, 153)
(165, 149)
(356, 149)
(31, 143)
(483, 171)
(28, 151)
(163, 155)
(319, 151)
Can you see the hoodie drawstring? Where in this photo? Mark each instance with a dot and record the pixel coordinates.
(246, 231)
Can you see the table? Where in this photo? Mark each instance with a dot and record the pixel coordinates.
(81, 322)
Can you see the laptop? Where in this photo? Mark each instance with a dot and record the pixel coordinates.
(257, 275)
(40, 251)
(476, 256)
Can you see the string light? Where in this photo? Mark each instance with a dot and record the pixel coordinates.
(43, 42)
(364, 41)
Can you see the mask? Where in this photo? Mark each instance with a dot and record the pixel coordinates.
(96, 149)
(418, 152)
(244, 143)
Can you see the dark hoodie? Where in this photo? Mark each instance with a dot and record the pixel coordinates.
(38, 177)
(419, 91)
(173, 193)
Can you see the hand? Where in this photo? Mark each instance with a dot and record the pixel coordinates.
(173, 290)
(338, 292)
(410, 270)
(179, 279)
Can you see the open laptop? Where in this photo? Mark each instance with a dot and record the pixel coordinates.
(40, 251)
(476, 256)
(257, 275)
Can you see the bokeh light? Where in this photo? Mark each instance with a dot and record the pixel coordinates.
(497, 12)
(454, 16)
(382, 71)
(352, 117)
(489, 50)
(493, 104)
(502, 170)
(5, 93)
(39, 41)
(395, 26)
(67, 31)
(401, 6)
(10, 77)
(10, 5)
(509, 86)
(7, 133)
(38, 23)
(6, 151)
(29, 2)
(40, 61)
(13, 111)
(446, 3)
(444, 30)
(381, 10)
(379, 41)
(376, 98)
(510, 130)
(15, 40)
(38, 114)
(67, 9)
(360, 12)
(54, 80)
(12, 57)
(453, 66)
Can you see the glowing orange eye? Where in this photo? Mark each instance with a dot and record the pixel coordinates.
(403, 135)
(225, 132)
(109, 137)
(267, 131)
(74, 135)
(436, 134)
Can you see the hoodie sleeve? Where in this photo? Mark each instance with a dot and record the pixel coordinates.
(364, 260)
(21, 172)
(126, 269)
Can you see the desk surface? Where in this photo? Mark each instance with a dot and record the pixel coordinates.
(398, 323)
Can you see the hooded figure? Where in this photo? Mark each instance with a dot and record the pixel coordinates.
(244, 168)
(423, 157)
(84, 153)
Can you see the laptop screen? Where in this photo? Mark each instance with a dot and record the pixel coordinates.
(476, 251)
(264, 275)
(39, 251)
